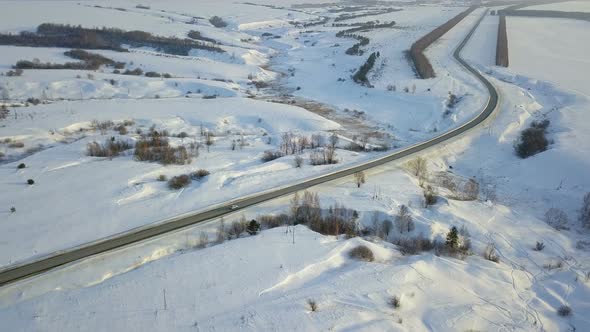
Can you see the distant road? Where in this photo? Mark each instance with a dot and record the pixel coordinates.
(14, 273)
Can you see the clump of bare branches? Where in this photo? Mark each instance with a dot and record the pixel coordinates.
(111, 148)
(362, 253)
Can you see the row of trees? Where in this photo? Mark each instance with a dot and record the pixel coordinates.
(502, 44)
(421, 63)
(368, 13)
(61, 35)
(323, 154)
(360, 76)
(362, 41)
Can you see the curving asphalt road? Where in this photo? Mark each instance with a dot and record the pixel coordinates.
(25, 270)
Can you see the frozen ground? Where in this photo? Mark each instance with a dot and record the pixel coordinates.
(566, 6)
(562, 61)
(75, 98)
(263, 282)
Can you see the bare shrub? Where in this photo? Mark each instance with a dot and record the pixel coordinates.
(16, 145)
(200, 174)
(156, 148)
(325, 156)
(312, 304)
(556, 218)
(180, 181)
(121, 129)
(564, 311)
(298, 161)
(430, 197)
(539, 246)
(415, 245)
(273, 221)
(553, 265)
(103, 126)
(359, 178)
(270, 155)
(362, 253)
(111, 148)
(236, 229)
(395, 302)
(404, 220)
(585, 211)
(491, 254)
(162, 177)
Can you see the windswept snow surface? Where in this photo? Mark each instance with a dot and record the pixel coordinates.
(75, 98)
(263, 282)
(566, 6)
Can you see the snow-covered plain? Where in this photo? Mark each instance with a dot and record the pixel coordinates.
(566, 6)
(264, 282)
(75, 98)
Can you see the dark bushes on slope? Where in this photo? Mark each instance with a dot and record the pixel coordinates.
(532, 140)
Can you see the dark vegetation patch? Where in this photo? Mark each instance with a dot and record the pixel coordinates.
(110, 148)
(363, 41)
(532, 140)
(198, 36)
(217, 22)
(89, 61)
(421, 64)
(361, 74)
(502, 44)
(69, 36)
(369, 13)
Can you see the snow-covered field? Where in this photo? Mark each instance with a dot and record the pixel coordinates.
(566, 6)
(75, 98)
(263, 282)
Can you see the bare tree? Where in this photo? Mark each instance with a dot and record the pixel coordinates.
(404, 220)
(294, 205)
(333, 141)
(386, 227)
(330, 155)
(419, 168)
(317, 140)
(221, 233)
(359, 178)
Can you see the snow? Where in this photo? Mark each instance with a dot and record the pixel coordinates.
(263, 282)
(562, 62)
(566, 6)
